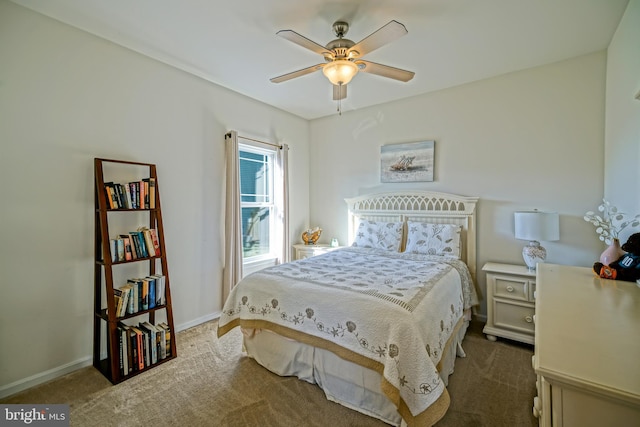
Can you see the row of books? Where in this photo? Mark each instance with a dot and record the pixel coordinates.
(140, 294)
(132, 195)
(142, 243)
(142, 345)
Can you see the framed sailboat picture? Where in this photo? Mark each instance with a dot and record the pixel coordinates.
(407, 162)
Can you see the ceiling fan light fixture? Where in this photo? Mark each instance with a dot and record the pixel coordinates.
(340, 71)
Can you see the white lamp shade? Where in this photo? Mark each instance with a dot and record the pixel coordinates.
(536, 225)
(340, 71)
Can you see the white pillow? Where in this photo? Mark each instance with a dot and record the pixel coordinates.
(433, 239)
(379, 235)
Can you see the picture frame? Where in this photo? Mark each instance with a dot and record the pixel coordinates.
(407, 162)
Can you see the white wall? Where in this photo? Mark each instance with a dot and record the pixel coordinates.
(65, 98)
(530, 139)
(622, 138)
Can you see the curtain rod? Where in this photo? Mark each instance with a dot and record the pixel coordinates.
(260, 142)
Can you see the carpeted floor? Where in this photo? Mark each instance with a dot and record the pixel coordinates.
(210, 383)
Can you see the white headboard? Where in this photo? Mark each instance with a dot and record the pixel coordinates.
(423, 206)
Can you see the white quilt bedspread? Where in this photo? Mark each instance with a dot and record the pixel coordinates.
(388, 311)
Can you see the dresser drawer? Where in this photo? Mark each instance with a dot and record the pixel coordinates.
(510, 287)
(513, 315)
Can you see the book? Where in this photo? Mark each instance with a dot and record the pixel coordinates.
(138, 245)
(148, 241)
(113, 247)
(145, 294)
(152, 291)
(152, 341)
(110, 195)
(162, 346)
(120, 249)
(141, 194)
(133, 345)
(126, 292)
(127, 194)
(134, 195)
(139, 347)
(136, 252)
(160, 289)
(132, 306)
(119, 190)
(123, 338)
(141, 243)
(156, 242)
(167, 332)
(127, 246)
(117, 295)
(127, 354)
(121, 351)
(152, 193)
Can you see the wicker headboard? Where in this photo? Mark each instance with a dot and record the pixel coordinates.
(423, 206)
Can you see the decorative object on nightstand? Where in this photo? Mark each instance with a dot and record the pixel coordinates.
(510, 302)
(608, 227)
(311, 236)
(535, 226)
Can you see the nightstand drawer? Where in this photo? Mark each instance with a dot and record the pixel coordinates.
(510, 287)
(302, 251)
(514, 316)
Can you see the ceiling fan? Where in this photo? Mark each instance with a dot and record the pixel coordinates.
(343, 57)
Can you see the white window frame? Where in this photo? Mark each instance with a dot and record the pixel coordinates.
(257, 262)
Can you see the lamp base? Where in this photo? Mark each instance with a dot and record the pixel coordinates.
(533, 253)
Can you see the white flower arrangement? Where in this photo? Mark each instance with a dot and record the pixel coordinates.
(611, 223)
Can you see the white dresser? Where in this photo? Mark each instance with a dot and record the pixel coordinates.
(587, 349)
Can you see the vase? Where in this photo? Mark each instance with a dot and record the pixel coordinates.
(612, 253)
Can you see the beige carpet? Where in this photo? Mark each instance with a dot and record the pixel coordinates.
(212, 384)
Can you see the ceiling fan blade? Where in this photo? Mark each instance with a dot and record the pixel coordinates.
(339, 92)
(379, 38)
(301, 40)
(298, 73)
(385, 71)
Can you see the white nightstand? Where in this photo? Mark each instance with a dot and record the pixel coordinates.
(510, 302)
(302, 251)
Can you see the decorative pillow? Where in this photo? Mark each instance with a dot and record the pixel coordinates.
(433, 239)
(379, 235)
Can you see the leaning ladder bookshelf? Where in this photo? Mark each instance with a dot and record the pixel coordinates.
(108, 326)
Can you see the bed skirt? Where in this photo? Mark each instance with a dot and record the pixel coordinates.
(342, 381)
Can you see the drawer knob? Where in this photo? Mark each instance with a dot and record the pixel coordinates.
(536, 407)
(528, 319)
(510, 288)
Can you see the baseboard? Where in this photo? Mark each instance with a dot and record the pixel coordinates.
(43, 377)
(480, 317)
(51, 374)
(198, 321)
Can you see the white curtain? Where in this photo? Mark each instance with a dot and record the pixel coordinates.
(232, 272)
(282, 203)
(233, 212)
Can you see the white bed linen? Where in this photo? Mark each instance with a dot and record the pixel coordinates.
(343, 382)
(396, 314)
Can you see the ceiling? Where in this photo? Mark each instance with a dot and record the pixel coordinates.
(233, 43)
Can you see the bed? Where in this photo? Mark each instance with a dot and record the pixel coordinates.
(378, 324)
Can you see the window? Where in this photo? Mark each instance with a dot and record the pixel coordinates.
(257, 202)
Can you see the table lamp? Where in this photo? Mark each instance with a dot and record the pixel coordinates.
(536, 226)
